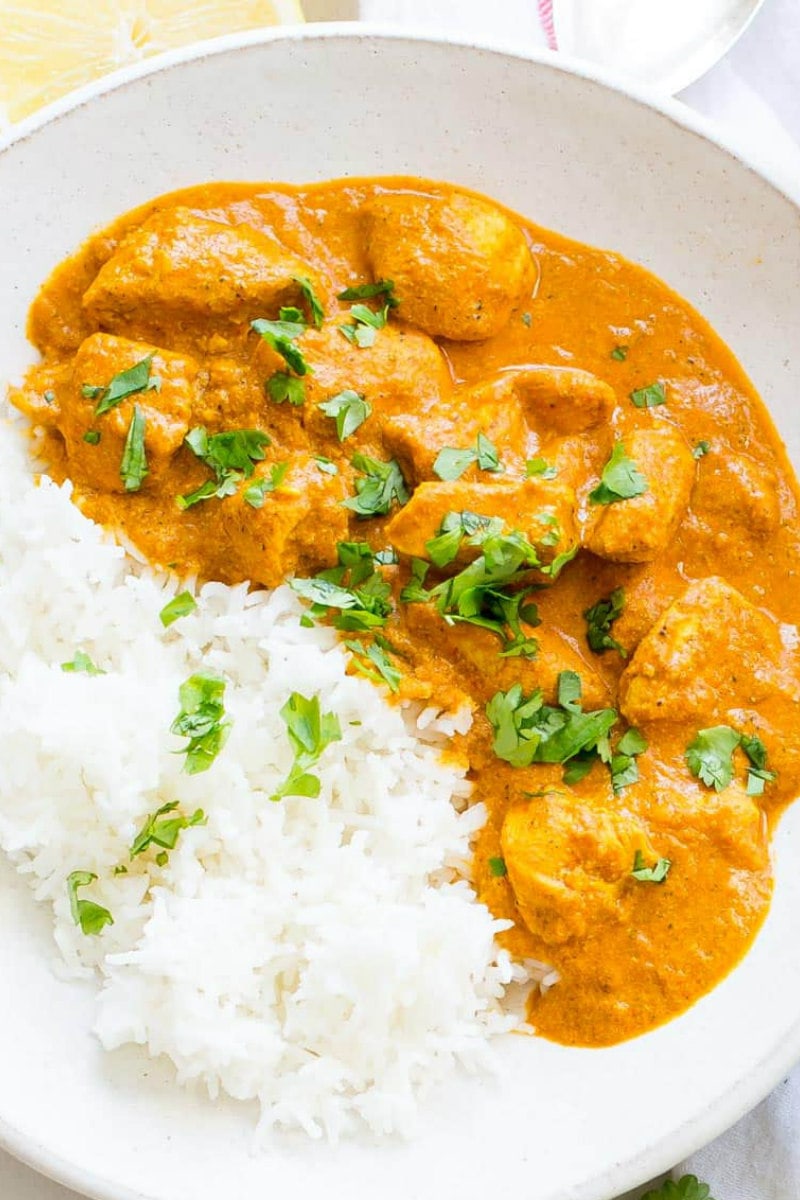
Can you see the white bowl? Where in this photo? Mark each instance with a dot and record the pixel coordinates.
(569, 150)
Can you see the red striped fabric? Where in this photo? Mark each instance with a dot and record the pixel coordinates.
(546, 17)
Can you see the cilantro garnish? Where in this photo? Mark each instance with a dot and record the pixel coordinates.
(483, 593)
(700, 449)
(372, 660)
(353, 594)
(162, 829)
(497, 867)
(599, 619)
(126, 383)
(650, 396)
(366, 291)
(620, 353)
(281, 337)
(312, 300)
(451, 463)
(201, 719)
(282, 386)
(310, 732)
(526, 730)
(133, 467)
(381, 486)
(757, 772)
(255, 494)
(326, 465)
(541, 468)
(349, 409)
(81, 663)
(624, 767)
(180, 606)
(92, 437)
(710, 756)
(231, 455)
(366, 323)
(688, 1187)
(655, 874)
(91, 917)
(710, 759)
(620, 479)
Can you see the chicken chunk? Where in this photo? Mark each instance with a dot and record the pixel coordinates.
(473, 651)
(179, 267)
(459, 265)
(281, 537)
(740, 493)
(544, 510)
(730, 822)
(568, 861)
(403, 370)
(562, 400)
(416, 445)
(165, 401)
(710, 652)
(641, 528)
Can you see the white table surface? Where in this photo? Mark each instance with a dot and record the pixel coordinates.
(755, 94)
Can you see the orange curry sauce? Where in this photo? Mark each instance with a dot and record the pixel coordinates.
(537, 343)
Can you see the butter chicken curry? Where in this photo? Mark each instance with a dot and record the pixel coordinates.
(516, 473)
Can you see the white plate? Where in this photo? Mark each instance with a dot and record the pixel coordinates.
(579, 156)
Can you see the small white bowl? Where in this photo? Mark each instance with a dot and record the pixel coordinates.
(605, 165)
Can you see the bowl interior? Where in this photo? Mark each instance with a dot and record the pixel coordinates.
(599, 165)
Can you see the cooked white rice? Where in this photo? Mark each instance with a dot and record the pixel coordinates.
(322, 956)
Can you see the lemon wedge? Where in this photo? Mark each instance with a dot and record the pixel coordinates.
(49, 47)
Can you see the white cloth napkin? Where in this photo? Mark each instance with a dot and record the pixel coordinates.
(755, 95)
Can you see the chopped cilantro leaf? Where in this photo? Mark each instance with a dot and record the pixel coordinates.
(180, 606)
(497, 867)
(527, 320)
(757, 773)
(654, 874)
(358, 594)
(451, 463)
(624, 767)
(568, 690)
(373, 661)
(201, 719)
(126, 383)
(255, 494)
(282, 386)
(650, 396)
(82, 664)
(381, 486)
(92, 918)
(599, 619)
(92, 437)
(710, 756)
(540, 467)
(312, 300)
(133, 467)
(326, 465)
(162, 829)
(527, 730)
(620, 479)
(231, 455)
(281, 337)
(349, 409)
(688, 1187)
(366, 291)
(310, 732)
(620, 353)
(700, 449)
